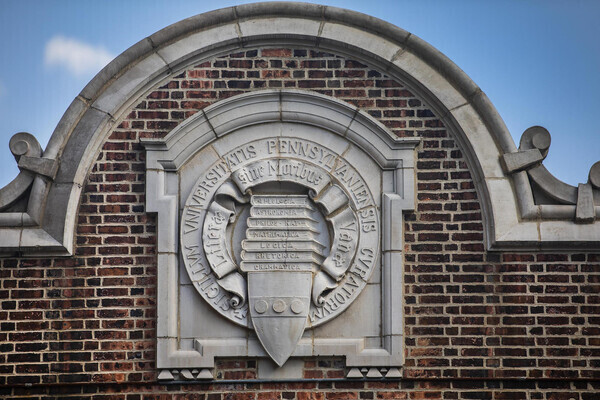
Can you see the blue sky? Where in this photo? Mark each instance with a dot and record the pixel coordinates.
(538, 61)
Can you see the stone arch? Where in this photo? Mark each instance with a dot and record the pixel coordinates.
(45, 223)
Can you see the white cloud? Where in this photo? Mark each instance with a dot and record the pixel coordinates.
(76, 56)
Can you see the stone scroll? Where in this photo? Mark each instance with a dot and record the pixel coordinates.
(220, 213)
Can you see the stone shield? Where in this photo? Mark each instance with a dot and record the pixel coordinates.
(279, 303)
(279, 255)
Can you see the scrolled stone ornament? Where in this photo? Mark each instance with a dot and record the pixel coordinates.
(343, 248)
(536, 137)
(220, 212)
(547, 189)
(24, 144)
(345, 237)
(28, 154)
(594, 176)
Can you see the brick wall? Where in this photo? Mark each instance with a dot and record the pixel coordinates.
(478, 325)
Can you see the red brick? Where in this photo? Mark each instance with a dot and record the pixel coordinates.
(468, 313)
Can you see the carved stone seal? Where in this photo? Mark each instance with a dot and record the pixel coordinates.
(309, 234)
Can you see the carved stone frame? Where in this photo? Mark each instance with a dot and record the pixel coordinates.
(395, 156)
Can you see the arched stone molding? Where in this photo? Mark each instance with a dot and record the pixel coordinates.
(511, 218)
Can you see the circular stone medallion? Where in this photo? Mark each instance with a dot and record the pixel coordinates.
(282, 164)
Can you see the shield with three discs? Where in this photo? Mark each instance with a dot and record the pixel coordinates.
(279, 255)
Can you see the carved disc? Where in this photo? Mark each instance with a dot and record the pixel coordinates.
(269, 166)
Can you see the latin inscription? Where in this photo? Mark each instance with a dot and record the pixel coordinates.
(192, 219)
(364, 264)
(280, 201)
(304, 245)
(270, 256)
(280, 170)
(279, 212)
(239, 156)
(258, 253)
(292, 147)
(281, 233)
(287, 266)
(206, 283)
(343, 249)
(280, 223)
(368, 219)
(278, 234)
(204, 190)
(342, 295)
(354, 182)
(214, 240)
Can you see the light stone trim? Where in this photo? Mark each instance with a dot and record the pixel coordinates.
(18, 230)
(560, 209)
(288, 106)
(22, 145)
(166, 157)
(462, 106)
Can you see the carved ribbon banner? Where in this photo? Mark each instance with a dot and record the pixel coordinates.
(281, 170)
(213, 239)
(331, 199)
(343, 248)
(220, 212)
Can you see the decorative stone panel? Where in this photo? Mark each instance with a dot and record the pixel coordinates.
(279, 217)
